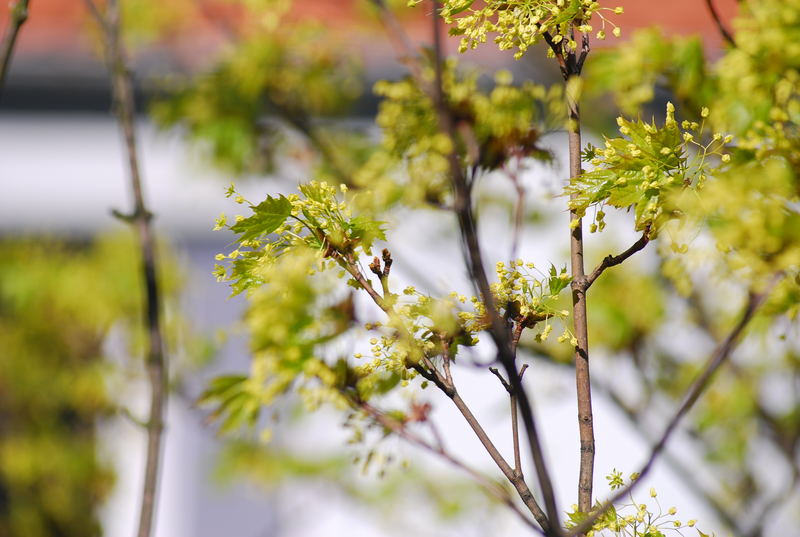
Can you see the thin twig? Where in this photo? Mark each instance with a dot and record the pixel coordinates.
(122, 88)
(446, 362)
(402, 431)
(18, 14)
(514, 418)
(687, 475)
(513, 477)
(717, 358)
(515, 427)
(726, 35)
(614, 260)
(519, 211)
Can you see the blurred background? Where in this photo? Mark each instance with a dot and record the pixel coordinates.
(70, 368)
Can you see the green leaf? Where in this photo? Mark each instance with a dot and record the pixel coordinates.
(220, 388)
(267, 217)
(366, 231)
(455, 10)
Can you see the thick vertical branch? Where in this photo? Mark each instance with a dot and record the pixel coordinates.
(571, 67)
(18, 14)
(122, 88)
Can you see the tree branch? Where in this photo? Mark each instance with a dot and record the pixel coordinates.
(717, 358)
(726, 35)
(474, 261)
(519, 211)
(686, 474)
(514, 417)
(446, 385)
(18, 14)
(122, 89)
(402, 431)
(614, 260)
(571, 67)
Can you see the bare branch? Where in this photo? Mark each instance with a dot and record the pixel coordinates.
(726, 35)
(474, 261)
(717, 358)
(402, 431)
(513, 477)
(582, 377)
(122, 89)
(18, 14)
(514, 417)
(687, 475)
(614, 260)
(519, 211)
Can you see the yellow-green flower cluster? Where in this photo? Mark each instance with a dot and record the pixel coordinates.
(519, 24)
(419, 327)
(632, 518)
(644, 165)
(525, 296)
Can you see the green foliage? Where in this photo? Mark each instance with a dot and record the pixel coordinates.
(627, 305)
(274, 69)
(286, 252)
(492, 127)
(315, 221)
(632, 72)
(56, 305)
(755, 224)
(644, 166)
